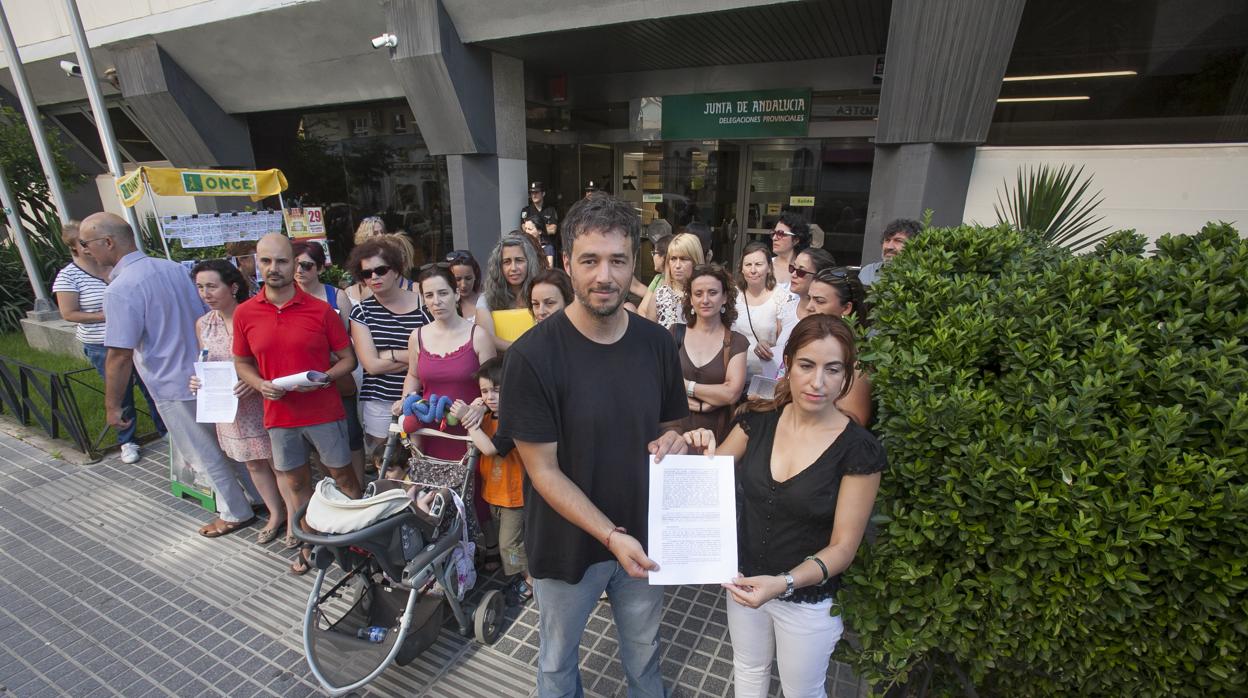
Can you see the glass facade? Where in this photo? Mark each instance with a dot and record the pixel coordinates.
(357, 161)
(1126, 72)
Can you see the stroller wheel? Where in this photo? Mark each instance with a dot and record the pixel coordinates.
(488, 618)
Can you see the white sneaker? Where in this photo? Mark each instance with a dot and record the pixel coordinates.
(130, 453)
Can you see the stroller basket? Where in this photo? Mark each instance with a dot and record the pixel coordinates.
(382, 610)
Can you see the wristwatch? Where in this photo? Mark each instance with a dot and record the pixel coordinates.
(788, 587)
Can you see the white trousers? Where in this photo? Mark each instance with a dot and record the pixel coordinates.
(801, 635)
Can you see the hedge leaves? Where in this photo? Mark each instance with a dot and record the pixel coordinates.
(1066, 510)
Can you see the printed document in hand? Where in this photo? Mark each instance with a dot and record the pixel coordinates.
(693, 520)
(304, 379)
(215, 402)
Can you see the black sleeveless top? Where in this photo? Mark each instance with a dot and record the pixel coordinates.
(781, 523)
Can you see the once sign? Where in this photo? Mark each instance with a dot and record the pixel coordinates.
(210, 183)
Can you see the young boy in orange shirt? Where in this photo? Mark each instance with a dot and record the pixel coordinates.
(502, 478)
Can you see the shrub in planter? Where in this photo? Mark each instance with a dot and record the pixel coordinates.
(1066, 509)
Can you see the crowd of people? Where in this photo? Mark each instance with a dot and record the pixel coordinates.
(758, 363)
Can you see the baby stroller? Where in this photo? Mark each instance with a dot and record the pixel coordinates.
(400, 576)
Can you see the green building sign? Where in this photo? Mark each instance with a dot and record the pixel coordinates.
(757, 114)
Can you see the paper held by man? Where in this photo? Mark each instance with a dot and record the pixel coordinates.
(693, 523)
(303, 379)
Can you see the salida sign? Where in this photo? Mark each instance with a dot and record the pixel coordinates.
(756, 114)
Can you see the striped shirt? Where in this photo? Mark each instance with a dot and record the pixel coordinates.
(90, 290)
(389, 331)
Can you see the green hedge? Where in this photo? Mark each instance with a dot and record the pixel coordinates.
(1066, 509)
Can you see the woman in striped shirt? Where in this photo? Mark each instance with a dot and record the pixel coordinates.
(380, 327)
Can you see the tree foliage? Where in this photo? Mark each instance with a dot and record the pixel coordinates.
(38, 214)
(1066, 510)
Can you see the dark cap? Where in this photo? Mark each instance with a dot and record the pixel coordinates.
(591, 185)
(537, 186)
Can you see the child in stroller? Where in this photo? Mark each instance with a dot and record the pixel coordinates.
(405, 559)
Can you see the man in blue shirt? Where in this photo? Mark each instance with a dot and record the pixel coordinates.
(151, 306)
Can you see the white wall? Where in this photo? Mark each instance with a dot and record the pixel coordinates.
(1153, 189)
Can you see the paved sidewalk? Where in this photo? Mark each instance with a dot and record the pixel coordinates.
(106, 589)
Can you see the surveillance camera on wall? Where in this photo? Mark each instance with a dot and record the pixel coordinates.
(71, 69)
(386, 40)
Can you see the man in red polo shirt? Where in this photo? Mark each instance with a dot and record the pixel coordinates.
(283, 331)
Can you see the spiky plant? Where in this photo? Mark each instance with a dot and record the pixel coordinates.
(1054, 203)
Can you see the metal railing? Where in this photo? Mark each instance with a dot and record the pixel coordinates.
(38, 397)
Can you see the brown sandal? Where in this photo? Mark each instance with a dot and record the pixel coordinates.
(220, 527)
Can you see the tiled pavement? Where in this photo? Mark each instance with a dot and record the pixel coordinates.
(105, 589)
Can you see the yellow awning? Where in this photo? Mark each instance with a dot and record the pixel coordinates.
(171, 181)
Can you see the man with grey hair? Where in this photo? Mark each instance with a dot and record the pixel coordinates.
(151, 305)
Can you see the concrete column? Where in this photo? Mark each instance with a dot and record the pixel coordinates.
(469, 106)
(183, 120)
(942, 77)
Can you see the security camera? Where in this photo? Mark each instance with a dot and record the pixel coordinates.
(71, 69)
(386, 40)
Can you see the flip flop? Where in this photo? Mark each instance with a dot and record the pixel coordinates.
(220, 527)
(302, 565)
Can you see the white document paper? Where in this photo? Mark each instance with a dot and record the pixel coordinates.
(693, 520)
(215, 402)
(306, 379)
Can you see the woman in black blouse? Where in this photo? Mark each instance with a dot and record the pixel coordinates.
(808, 475)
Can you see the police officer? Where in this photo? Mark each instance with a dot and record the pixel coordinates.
(544, 215)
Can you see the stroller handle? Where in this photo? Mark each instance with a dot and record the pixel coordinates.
(441, 435)
(353, 537)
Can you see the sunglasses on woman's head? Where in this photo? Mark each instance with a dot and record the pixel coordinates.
(831, 275)
(799, 272)
(375, 271)
(307, 266)
(457, 257)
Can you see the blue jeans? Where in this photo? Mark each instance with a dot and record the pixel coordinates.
(565, 609)
(96, 353)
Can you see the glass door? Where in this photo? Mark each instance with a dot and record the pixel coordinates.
(779, 177)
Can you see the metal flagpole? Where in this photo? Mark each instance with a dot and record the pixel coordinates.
(14, 215)
(160, 227)
(31, 110)
(100, 110)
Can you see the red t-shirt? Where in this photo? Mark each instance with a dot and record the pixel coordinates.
(297, 337)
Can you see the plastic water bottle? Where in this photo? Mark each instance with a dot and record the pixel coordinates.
(373, 633)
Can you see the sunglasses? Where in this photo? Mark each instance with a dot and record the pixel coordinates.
(799, 272)
(831, 275)
(375, 271)
(307, 266)
(778, 231)
(457, 257)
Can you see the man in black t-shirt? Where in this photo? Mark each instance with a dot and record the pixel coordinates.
(544, 215)
(588, 395)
